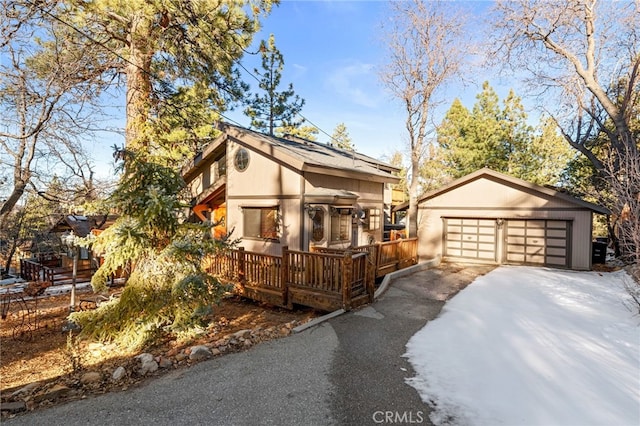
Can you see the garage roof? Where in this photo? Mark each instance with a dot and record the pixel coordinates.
(487, 173)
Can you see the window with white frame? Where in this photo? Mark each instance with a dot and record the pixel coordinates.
(372, 219)
(261, 222)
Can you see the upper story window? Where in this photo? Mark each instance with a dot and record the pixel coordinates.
(241, 159)
(261, 222)
(221, 167)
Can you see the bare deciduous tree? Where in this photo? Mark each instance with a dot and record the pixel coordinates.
(423, 43)
(586, 55)
(46, 91)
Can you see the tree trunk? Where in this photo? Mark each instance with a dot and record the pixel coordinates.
(412, 213)
(138, 72)
(12, 200)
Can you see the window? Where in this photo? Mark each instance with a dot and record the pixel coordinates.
(261, 222)
(241, 159)
(340, 220)
(372, 219)
(219, 168)
(317, 230)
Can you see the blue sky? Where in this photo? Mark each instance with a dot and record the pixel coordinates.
(332, 52)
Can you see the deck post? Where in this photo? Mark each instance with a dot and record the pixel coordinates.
(378, 256)
(370, 283)
(284, 273)
(241, 267)
(347, 278)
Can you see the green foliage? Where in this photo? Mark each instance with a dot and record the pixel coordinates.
(341, 139)
(501, 139)
(185, 123)
(274, 109)
(304, 132)
(167, 289)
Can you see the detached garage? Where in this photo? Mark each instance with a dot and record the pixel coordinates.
(490, 217)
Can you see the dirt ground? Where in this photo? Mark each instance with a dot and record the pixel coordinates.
(43, 353)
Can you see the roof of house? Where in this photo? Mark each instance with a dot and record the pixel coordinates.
(302, 155)
(502, 178)
(82, 225)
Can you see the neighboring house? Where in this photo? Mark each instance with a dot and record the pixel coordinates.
(81, 226)
(274, 192)
(490, 217)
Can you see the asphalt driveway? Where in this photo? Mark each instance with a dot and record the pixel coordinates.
(348, 370)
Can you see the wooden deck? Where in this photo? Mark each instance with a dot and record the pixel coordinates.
(50, 273)
(323, 279)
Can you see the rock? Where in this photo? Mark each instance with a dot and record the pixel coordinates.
(145, 357)
(148, 364)
(119, 373)
(181, 357)
(242, 334)
(26, 389)
(215, 352)
(165, 362)
(221, 342)
(148, 367)
(13, 407)
(55, 392)
(248, 343)
(285, 331)
(90, 377)
(199, 353)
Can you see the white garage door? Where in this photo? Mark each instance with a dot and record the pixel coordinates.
(470, 238)
(538, 242)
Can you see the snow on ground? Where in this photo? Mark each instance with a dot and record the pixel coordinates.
(532, 346)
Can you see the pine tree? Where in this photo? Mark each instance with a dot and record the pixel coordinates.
(501, 139)
(305, 132)
(167, 290)
(341, 139)
(273, 109)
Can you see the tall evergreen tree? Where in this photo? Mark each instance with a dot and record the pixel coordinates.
(273, 109)
(501, 139)
(341, 139)
(153, 45)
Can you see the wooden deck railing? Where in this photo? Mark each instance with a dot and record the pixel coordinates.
(311, 279)
(388, 256)
(396, 255)
(32, 270)
(326, 279)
